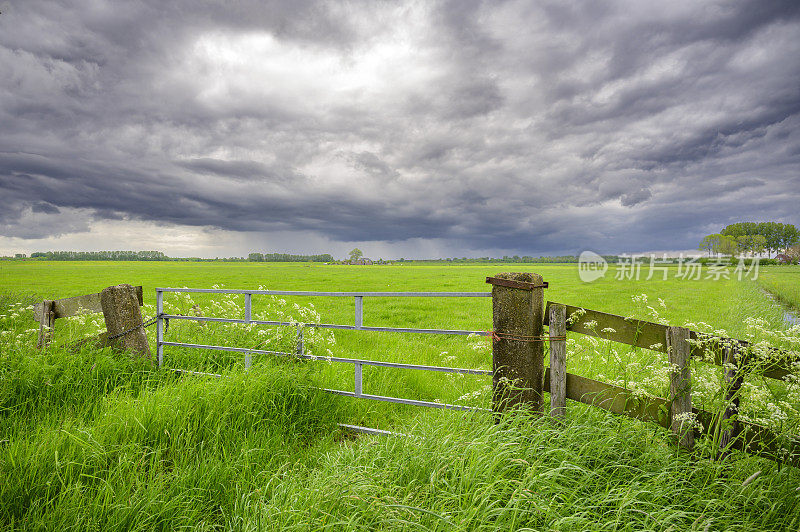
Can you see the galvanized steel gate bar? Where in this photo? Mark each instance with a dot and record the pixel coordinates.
(357, 326)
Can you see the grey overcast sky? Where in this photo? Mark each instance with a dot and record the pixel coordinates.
(415, 129)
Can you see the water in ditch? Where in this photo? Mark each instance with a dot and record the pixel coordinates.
(790, 314)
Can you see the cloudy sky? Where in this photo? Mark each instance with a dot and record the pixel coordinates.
(415, 129)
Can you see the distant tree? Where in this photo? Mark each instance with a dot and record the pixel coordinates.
(719, 243)
(727, 245)
(751, 243)
(740, 229)
(757, 244)
(355, 254)
(762, 236)
(790, 236)
(793, 252)
(772, 233)
(710, 243)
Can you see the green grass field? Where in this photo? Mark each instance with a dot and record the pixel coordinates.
(784, 283)
(95, 440)
(686, 299)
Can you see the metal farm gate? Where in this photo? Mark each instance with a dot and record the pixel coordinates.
(358, 298)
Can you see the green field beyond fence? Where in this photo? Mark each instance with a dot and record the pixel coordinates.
(784, 283)
(93, 438)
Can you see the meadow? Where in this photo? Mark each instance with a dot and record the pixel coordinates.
(95, 439)
(784, 283)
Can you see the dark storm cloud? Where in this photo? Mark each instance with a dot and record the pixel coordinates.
(247, 170)
(536, 127)
(633, 198)
(44, 207)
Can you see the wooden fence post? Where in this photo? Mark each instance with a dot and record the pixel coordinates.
(517, 349)
(47, 320)
(680, 386)
(733, 382)
(558, 361)
(121, 310)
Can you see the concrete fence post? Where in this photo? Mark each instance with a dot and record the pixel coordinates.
(47, 320)
(120, 306)
(517, 347)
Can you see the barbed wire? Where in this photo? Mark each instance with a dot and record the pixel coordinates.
(143, 325)
(497, 336)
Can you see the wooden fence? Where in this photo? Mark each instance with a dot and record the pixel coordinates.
(519, 315)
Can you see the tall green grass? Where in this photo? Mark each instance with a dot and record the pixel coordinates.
(179, 456)
(464, 473)
(98, 440)
(783, 282)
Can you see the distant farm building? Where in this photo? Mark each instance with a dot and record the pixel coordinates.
(363, 261)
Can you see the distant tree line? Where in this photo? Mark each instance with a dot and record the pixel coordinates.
(287, 257)
(99, 255)
(752, 237)
(160, 256)
(523, 259)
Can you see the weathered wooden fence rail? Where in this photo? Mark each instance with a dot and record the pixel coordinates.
(676, 412)
(650, 335)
